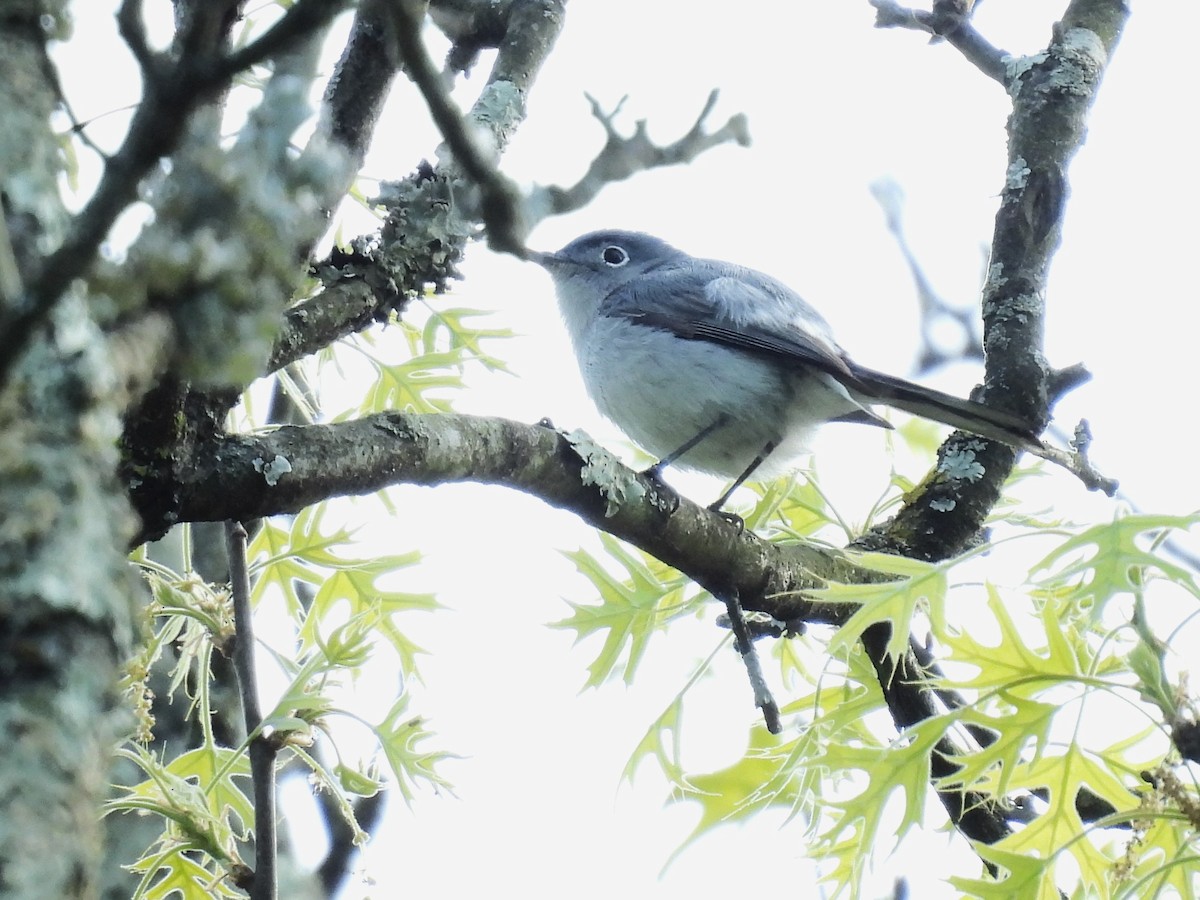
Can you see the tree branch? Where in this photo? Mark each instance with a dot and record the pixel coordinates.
(172, 92)
(622, 157)
(500, 204)
(283, 471)
(949, 19)
(910, 701)
(360, 83)
(374, 277)
(1052, 93)
(471, 27)
(262, 747)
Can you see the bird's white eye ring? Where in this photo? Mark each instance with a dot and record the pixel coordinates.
(614, 256)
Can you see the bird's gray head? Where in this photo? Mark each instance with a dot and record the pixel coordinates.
(605, 260)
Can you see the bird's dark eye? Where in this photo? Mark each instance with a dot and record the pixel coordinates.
(614, 256)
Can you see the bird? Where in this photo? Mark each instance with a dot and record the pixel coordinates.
(719, 368)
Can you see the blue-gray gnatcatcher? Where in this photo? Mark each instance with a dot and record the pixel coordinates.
(716, 367)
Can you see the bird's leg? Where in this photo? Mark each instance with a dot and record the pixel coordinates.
(716, 505)
(655, 471)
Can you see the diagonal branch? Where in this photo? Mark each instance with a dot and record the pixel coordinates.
(173, 90)
(1052, 94)
(951, 20)
(622, 157)
(500, 206)
(359, 85)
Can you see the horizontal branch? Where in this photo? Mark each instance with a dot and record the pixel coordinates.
(245, 476)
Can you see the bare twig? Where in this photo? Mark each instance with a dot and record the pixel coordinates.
(935, 311)
(745, 648)
(262, 748)
(1076, 461)
(80, 128)
(949, 19)
(622, 157)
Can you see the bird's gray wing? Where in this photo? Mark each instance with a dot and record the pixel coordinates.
(730, 305)
(727, 304)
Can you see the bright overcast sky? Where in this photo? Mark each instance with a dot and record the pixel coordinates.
(833, 105)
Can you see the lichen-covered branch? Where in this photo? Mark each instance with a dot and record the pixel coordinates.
(499, 202)
(173, 90)
(1052, 93)
(67, 619)
(283, 471)
(950, 20)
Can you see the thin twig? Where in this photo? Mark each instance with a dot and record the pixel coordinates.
(622, 156)
(1077, 462)
(745, 648)
(949, 19)
(935, 310)
(262, 748)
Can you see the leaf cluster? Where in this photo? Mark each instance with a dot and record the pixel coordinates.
(1064, 710)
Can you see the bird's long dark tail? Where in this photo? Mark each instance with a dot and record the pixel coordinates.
(927, 403)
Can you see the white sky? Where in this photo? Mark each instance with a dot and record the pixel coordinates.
(833, 104)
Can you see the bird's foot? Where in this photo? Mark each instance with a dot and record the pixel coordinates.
(667, 499)
(732, 518)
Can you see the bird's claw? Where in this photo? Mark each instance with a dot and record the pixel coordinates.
(732, 518)
(666, 497)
